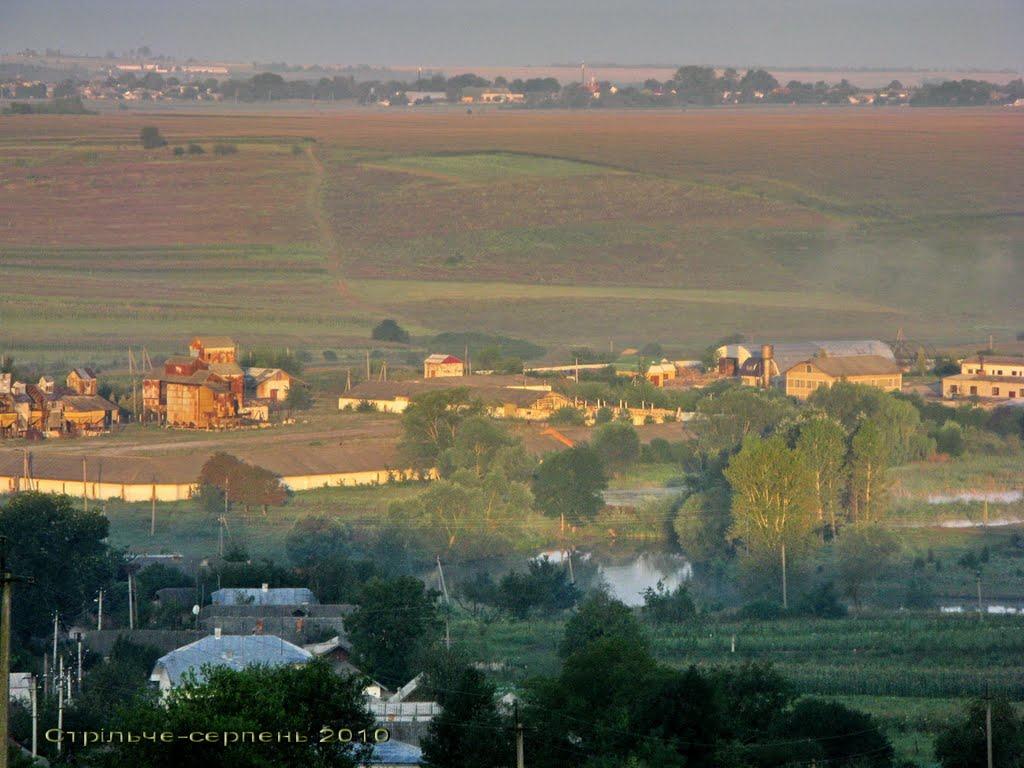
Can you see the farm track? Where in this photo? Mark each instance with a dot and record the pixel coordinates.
(328, 238)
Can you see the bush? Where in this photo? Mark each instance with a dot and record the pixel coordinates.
(544, 587)
(389, 330)
(330, 355)
(617, 444)
(195, 149)
(151, 138)
(225, 149)
(761, 610)
(663, 606)
(296, 150)
(604, 415)
(568, 416)
(821, 601)
(179, 151)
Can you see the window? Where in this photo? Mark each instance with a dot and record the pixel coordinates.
(974, 390)
(954, 389)
(807, 368)
(1013, 394)
(995, 391)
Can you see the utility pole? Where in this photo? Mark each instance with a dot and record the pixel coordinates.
(34, 693)
(131, 613)
(988, 728)
(85, 486)
(520, 752)
(785, 600)
(447, 605)
(7, 579)
(981, 612)
(99, 613)
(79, 662)
(152, 509)
(55, 621)
(60, 705)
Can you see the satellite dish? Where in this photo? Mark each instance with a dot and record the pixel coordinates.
(195, 610)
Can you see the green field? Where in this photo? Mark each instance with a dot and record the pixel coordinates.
(562, 229)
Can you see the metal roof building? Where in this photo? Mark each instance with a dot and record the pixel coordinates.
(263, 596)
(233, 651)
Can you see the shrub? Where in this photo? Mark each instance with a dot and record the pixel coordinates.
(330, 355)
(389, 330)
(569, 416)
(544, 587)
(195, 149)
(604, 415)
(179, 151)
(663, 606)
(821, 601)
(761, 610)
(151, 138)
(225, 149)
(296, 150)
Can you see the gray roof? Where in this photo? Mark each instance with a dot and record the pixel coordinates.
(276, 596)
(855, 365)
(233, 651)
(788, 354)
(395, 753)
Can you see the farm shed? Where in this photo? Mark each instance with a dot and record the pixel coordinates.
(871, 370)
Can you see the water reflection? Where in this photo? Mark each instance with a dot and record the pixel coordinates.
(626, 578)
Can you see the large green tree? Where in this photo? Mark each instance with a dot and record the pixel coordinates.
(280, 700)
(568, 484)
(618, 445)
(773, 500)
(52, 540)
(821, 443)
(962, 743)
(869, 464)
(395, 623)
(469, 732)
(431, 422)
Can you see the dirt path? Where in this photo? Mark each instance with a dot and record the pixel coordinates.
(328, 238)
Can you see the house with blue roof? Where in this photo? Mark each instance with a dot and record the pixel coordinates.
(394, 754)
(232, 651)
(263, 596)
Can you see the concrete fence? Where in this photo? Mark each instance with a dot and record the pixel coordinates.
(137, 492)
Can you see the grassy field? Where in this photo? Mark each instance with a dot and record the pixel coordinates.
(561, 228)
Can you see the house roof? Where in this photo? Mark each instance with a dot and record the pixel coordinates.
(788, 354)
(256, 596)
(84, 373)
(201, 377)
(391, 390)
(259, 375)
(226, 369)
(439, 359)
(84, 403)
(395, 753)
(995, 359)
(233, 651)
(857, 365)
(214, 342)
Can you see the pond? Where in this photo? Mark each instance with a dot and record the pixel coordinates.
(627, 578)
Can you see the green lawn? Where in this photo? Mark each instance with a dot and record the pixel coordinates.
(487, 167)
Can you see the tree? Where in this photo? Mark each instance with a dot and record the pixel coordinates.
(869, 462)
(664, 606)
(834, 735)
(568, 484)
(475, 445)
(389, 330)
(735, 413)
(962, 744)
(617, 445)
(431, 422)
(469, 732)
(772, 498)
(63, 548)
(298, 398)
(242, 483)
(297, 700)
(601, 617)
(703, 521)
(821, 444)
(396, 621)
(544, 586)
(863, 553)
(151, 138)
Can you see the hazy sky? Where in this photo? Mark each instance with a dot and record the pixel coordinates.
(841, 33)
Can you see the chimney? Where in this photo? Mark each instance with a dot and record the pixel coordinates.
(767, 354)
(216, 632)
(265, 587)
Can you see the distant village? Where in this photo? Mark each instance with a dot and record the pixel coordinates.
(140, 80)
(207, 388)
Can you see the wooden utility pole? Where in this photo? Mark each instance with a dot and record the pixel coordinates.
(785, 595)
(152, 509)
(60, 705)
(520, 751)
(85, 485)
(131, 612)
(99, 613)
(988, 729)
(7, 579)
(447, 605)
(34, 693)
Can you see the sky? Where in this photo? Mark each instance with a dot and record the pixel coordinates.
(936, 34)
